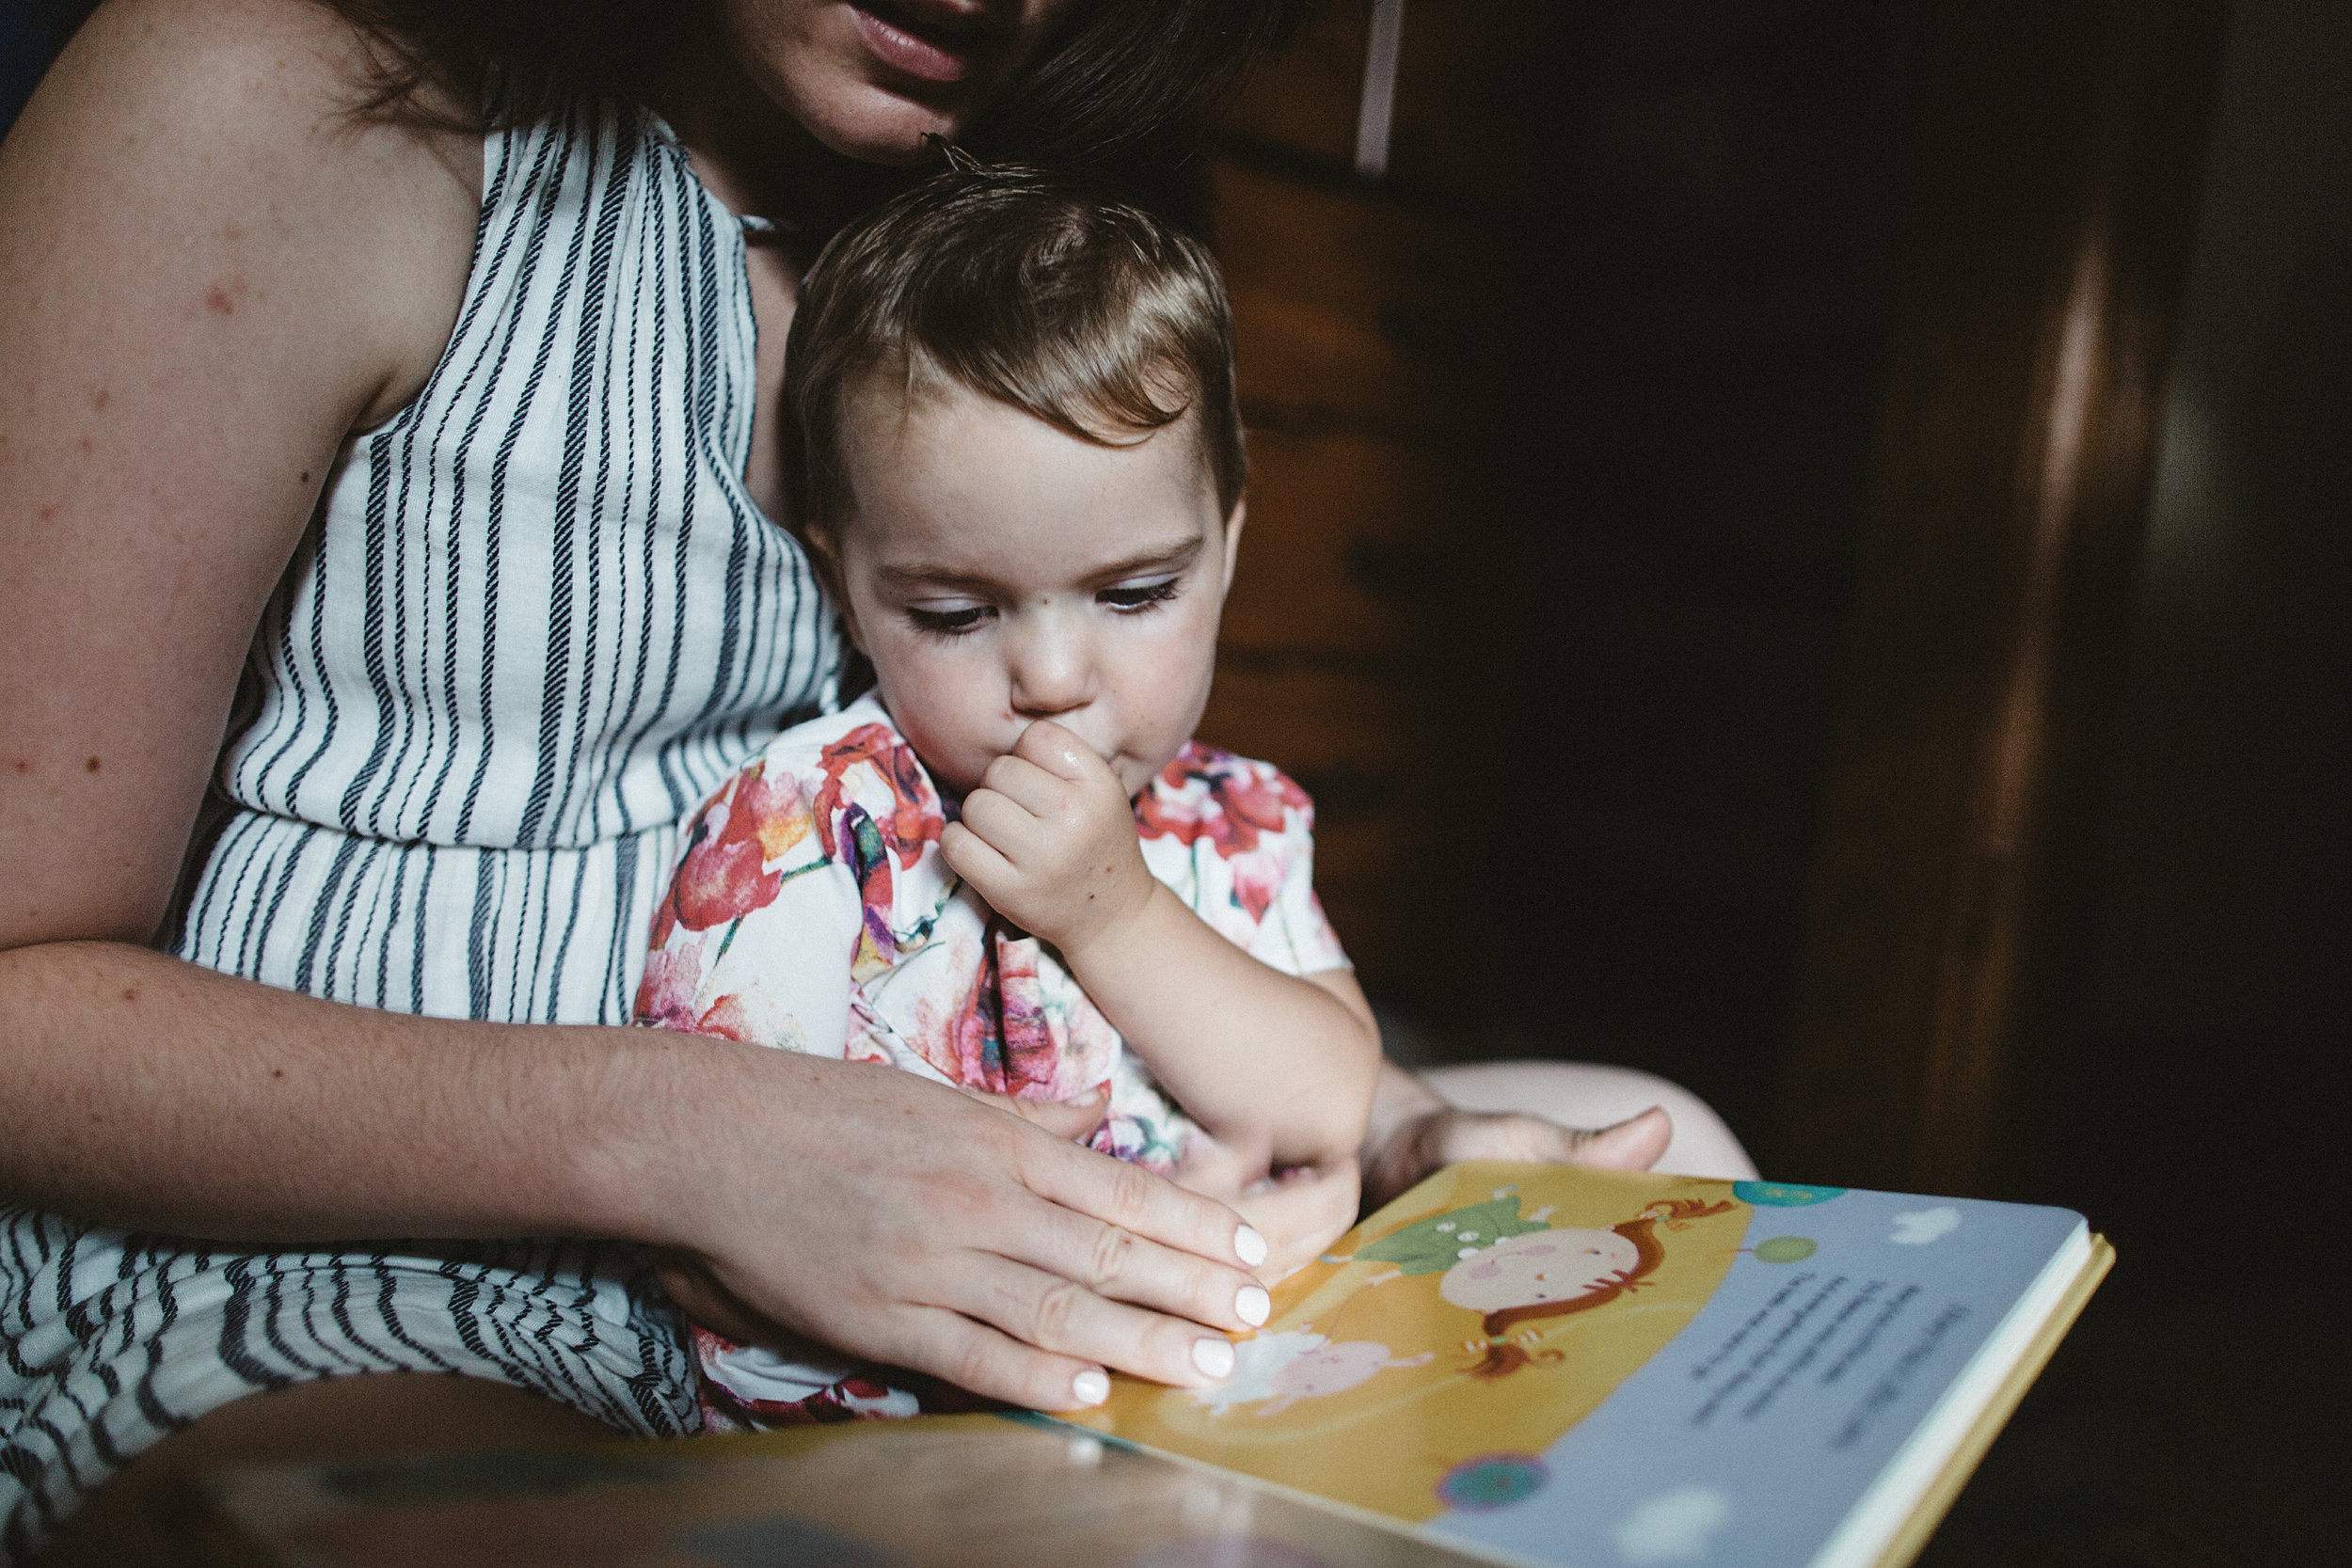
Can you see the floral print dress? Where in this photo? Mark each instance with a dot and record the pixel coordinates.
(811, 909)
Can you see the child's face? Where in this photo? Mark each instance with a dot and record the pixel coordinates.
(998, 572)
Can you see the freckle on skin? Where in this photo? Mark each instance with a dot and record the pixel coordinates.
(217, 299)
(101, 399)
(129, 993)
(91, 767)
(48, 512)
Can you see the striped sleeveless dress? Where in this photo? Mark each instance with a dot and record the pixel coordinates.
(536, 619)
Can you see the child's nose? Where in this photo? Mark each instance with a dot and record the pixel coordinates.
(1052, 673)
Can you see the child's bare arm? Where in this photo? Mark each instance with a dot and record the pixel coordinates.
(1257, 1056)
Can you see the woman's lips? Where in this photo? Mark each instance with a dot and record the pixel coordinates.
(924, 50)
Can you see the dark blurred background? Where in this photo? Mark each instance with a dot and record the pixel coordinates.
(1658, 572)
(1668, 572)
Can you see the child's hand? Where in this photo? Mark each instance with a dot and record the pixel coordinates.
(1049, 840)
(1299, 1210)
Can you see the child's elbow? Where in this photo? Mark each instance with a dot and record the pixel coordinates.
(1346, 1109)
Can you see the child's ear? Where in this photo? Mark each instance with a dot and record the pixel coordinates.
(1233, 540)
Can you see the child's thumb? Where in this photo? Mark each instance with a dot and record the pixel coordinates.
(1073, 1119)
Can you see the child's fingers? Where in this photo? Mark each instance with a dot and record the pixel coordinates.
(1057, 749)
(1009, 827)
(1027, 785)
(972, 857)
(1303, 1215)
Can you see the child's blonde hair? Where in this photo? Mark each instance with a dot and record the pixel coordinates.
(1023, 286)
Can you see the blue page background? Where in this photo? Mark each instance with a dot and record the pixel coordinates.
(1753, 1433)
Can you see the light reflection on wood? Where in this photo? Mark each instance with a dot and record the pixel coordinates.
(971, 1490)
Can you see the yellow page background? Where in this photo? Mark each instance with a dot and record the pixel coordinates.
(1389, 1440)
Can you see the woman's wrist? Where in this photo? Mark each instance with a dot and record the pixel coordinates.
(651, 1122)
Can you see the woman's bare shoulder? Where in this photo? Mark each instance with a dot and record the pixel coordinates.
(208, 122)
(210, 275)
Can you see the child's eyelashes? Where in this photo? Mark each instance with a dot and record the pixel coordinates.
(948, 623)
(1143, 595)
(959, 620)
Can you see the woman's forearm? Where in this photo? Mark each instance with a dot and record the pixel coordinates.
(144, 1091)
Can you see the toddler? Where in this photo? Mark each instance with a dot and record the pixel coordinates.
(1015, 457)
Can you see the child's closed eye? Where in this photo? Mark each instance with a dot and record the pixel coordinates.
(1133, 596)
(948, 623)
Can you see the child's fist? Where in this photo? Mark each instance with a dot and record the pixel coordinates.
(1049, 840)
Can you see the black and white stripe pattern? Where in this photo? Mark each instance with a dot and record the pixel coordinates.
(537, 620)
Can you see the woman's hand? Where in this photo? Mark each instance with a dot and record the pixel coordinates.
(1413, 1133)
(913, 1226)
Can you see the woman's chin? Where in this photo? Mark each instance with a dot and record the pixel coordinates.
(875, 125)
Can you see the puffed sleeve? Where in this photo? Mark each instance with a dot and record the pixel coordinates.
(1294, 935)
(1235, 840)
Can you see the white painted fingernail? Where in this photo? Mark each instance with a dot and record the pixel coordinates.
(1253, 1306)
(1090, 1387)
(1250, 1247)
(1214, 1357)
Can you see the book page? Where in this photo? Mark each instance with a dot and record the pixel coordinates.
(1562, 1366)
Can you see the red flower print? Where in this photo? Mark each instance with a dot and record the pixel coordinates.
(1256, 879)
(666, 994)
(1243, 800)
(915, 817)
(722, 876)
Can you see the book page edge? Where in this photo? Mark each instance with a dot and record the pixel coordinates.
(1853, 1547)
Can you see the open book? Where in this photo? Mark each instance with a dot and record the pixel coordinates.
(1511, 1362)
(1548, 1366)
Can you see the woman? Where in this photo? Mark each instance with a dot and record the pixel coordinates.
(426, 455)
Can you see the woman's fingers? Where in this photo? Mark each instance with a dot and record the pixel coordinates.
(1061, 1317)
(687, 1281)
(1133, 1199)
(1114, 1263)
(986, 1361)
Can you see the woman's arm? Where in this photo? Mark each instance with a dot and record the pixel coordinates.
(209, 276)
(1275, 1064)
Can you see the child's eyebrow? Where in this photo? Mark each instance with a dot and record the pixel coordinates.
(1174, 556)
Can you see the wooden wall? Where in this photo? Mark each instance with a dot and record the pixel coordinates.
(1697, 490)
